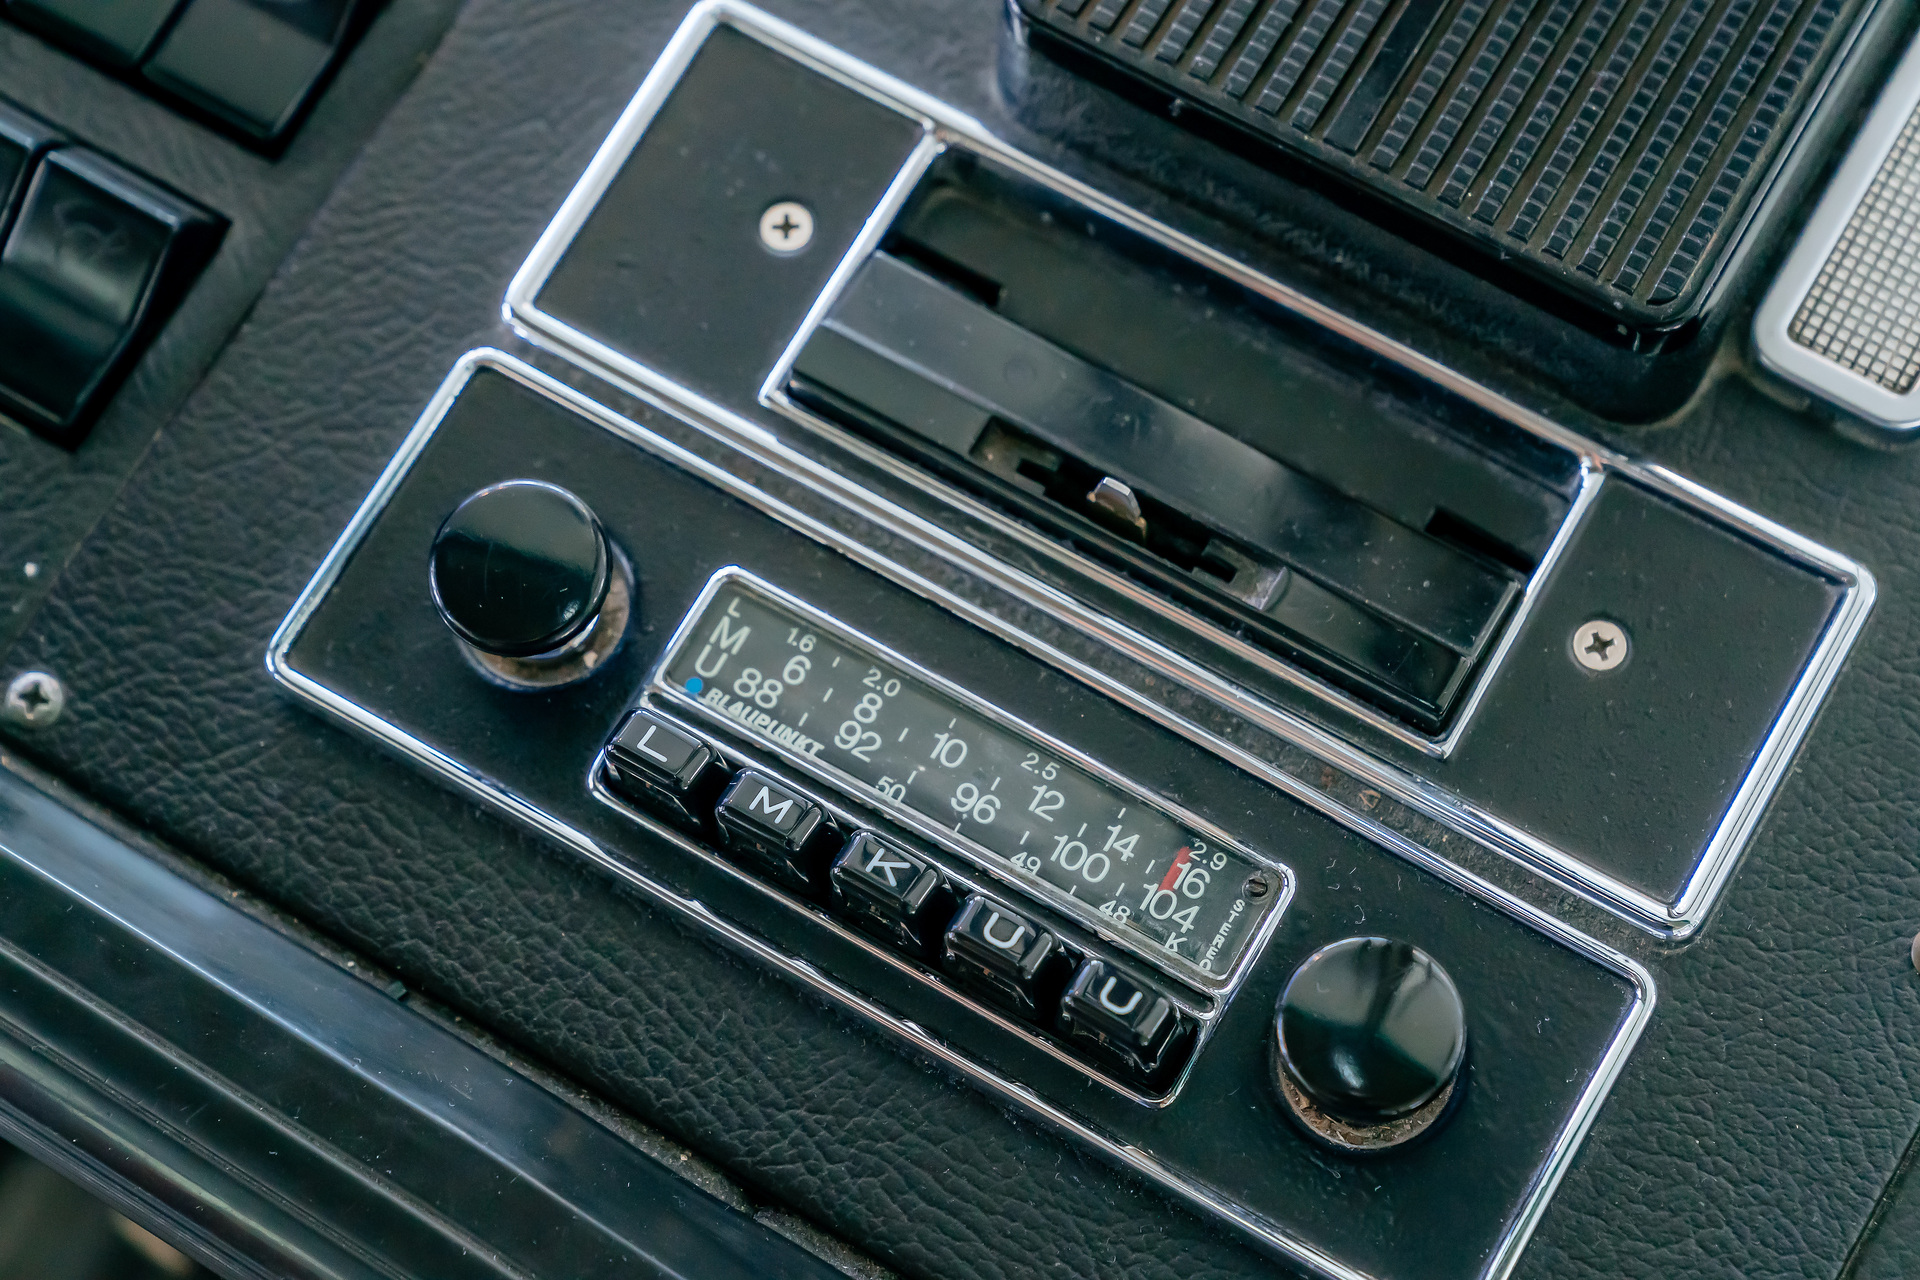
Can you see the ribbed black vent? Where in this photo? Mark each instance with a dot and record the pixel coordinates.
(1608, 145)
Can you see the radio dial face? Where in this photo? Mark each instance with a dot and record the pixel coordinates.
(1003, 794)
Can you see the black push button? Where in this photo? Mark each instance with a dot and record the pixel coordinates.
(94, 258)
(115, 32)
(659, 767)
(520, 569)
(1371, 1030)
(888, 891)
(22, 141)
(1120, 1017)
(252, 63)
(995, 949)
(776, 828)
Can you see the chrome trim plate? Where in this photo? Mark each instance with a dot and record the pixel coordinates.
(1346, 747)
(1273, 1235)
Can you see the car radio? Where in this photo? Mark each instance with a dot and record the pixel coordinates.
(983, 658)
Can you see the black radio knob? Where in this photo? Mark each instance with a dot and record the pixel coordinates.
(1370, 1037)
(521, 570)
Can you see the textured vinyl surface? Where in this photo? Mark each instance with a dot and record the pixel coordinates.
(50, 496)
(1754, 1128)
(1609, 146)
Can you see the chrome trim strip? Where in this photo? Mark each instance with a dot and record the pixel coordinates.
(1894, 416)
(1677, 919)
(988, 862)
(1271, 1235)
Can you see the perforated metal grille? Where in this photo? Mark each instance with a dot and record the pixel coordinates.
(1863, 312)
(1610, 146)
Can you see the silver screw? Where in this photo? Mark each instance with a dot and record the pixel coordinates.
(1599, 645)
(34, 700)
(786, 227)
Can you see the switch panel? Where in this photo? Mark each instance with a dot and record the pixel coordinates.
(253, 63)
(897, 891)
(96, 257)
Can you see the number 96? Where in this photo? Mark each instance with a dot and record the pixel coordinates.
(968, 802)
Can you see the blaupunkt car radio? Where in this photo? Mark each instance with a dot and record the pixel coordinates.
(982, 628)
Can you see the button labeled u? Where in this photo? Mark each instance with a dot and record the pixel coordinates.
(1106, 999)
(1012, 940)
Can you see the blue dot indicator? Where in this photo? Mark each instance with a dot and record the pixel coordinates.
(695, 684)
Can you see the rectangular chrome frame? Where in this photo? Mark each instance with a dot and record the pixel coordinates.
(945, 127)
(1892, 416)
(1223, 985)
(1267, 1233)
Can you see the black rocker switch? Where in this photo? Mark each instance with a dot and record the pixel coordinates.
(660, 767)
(96, 256)
(23, 139)
(116, 33)
(777, 829)
(994, 949)
(1119, 1016)
(888, 891)
(252, 63)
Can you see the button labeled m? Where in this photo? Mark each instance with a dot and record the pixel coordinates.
(776, 813)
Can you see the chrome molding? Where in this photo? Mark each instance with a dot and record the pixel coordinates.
(1272, 1235)
(946, 128)
(1892, 415)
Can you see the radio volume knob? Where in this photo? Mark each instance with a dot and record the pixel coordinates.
(521, 571)
(1369, 1039)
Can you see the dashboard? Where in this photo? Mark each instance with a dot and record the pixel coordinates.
(1074, 637)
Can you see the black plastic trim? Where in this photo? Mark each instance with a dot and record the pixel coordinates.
(277, 1116)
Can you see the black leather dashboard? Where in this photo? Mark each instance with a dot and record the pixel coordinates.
(1759, 1122)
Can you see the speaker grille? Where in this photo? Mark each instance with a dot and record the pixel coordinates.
(1607, 146)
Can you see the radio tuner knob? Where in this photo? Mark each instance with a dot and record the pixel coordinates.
(1369, 1039)
(523, 574)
